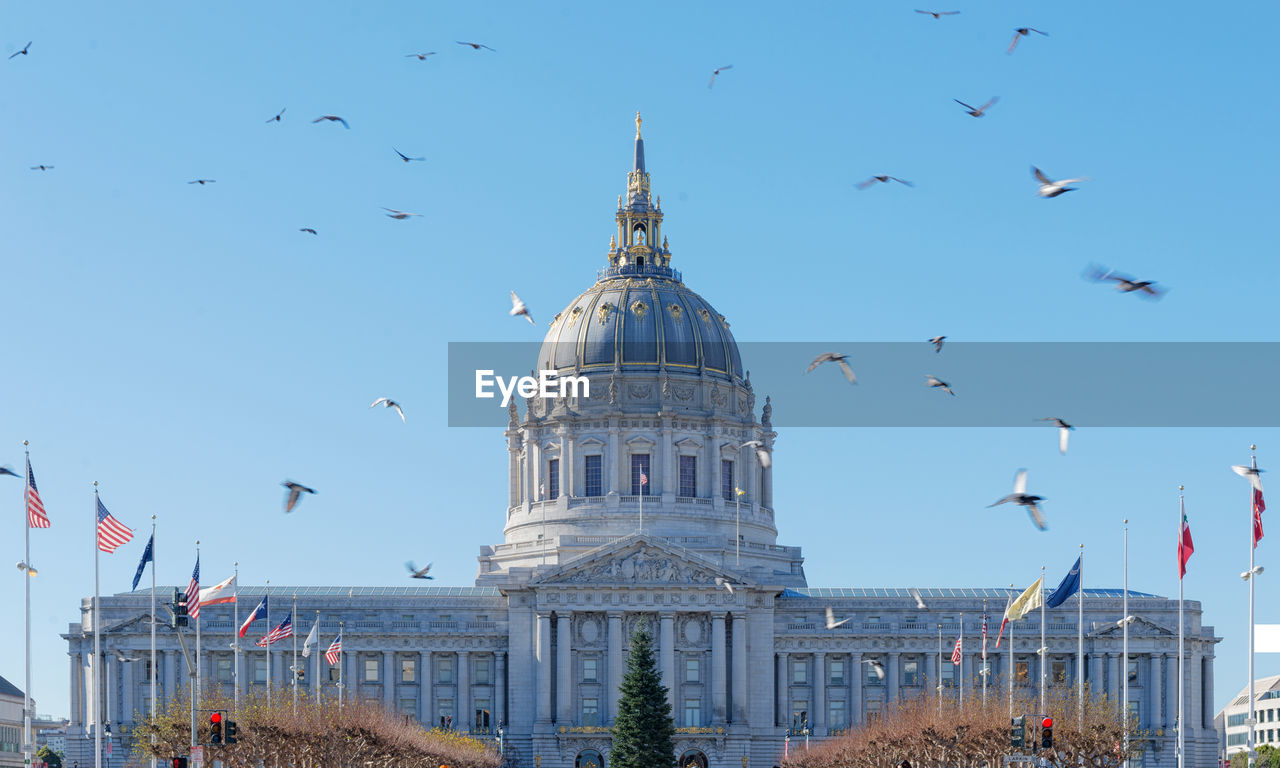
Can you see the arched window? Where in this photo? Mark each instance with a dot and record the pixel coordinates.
(693, 758)
(589, 758)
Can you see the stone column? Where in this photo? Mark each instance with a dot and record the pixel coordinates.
(388, 681)
(127, 690)
(739, 629)
(819, 706)
(614, 664)
(891, 672)
(1113, 676)
(719, 672)
(499, 689)
(613, 460)
(784, 700)
(425, 712)
(537, 473)
(930, 673)
(668, 481)
(855, 706)
(565, 489)
(111, 668)
(1171, 680)
(1156, 716)
(564, 670)
(465, 717)
(1207, 680)
(1095, 673)
(77, 689)
(542, 655)
(667, 658)
(513, 469)
(966, 670)
(171, 672)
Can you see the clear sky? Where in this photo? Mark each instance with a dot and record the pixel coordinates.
(187, 347)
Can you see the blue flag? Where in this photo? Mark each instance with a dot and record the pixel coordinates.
(1069, 586)
(148, 556)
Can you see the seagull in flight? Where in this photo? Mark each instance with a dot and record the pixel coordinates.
(418, 573)
(831, 619)
(1023, 499)
(716, 72)
(389, 403)
(308, 229)
(420, 56)
(915, 594)
(936, 341)
(42, 167)
(22, 52)
(332, 119)
(839, 359)
(882, 179)
(876, 667)
(202, 182)
(405, 157)
(1251, 474)
(934, 381)
(475, 46)
(518, 308)
(399, 215)
(937, 14)
(276, 119)
(1064, 432)
(722, 582)
(295, 493)
(1051, 188)
(977, 111)
(1020, 33)
(1126, 284)
(126, 659)
(9, 472)
(762, 454)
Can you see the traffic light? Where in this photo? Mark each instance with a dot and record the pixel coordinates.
(1018, 732)
(229, 732)
(179, 608)
(179, 762)
(215, 728)
(1046, 733)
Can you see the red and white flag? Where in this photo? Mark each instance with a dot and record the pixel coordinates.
(224, 592)
(1005, 621)
(36, 518)
(984, 635)
(334, 651)
(193, 592)
(1185, 547)
(644, 479)
(1259, 506)
(111, 532)
(956, 653)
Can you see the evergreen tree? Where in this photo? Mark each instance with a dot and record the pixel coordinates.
(643, 730)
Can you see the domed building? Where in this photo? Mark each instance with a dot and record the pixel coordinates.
(650, 498)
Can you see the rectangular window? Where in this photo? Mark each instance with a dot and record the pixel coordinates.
(444, 712)
(799, 671)
(594, 476)
(334, 673)
(408, 671)
(1021, 672)
(224, 673)
(799, 714)
(1058, 669)
(1133, 671)
(590, 712)
(836, 717)
(837, 672)
(688, 476)
(692, 713)
(873, 711)
(371, 670)
(693, 670)
(948, 673)
(480, 721)
(1234, 720)
(407, 707)
(553, 479)
(482, 672)
(260, 670)
(444, 670)
(911, 672)
(589, 673)
(640, 468)
(726, 479)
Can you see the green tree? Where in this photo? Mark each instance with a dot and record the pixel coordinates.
(643, 730)
(49, 757)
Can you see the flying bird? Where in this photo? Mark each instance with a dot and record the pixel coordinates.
(934, 381)
(418, 573)
(1020, 33)
(876, 667)
(420, 56)
(279, 114)
(399, 215)
(42, 167)
(716, 72)
(762, 453)
(475, 46)
(831, 619)
(389, 403)
(22, 52)
(937, 14)
(518, 308)
(936, 341)
(977, 111)
(1051, 188)
(125, 659)
(295, 493)
(1064, 432)
(9, 472)
(915, 593)
(202, 182)
(882, 179)
(308, 229)
(1023, 499)
(722, 582)
(405, 157)
(1252, 474)
(839, 359)
(1126, 284)
(332, 119)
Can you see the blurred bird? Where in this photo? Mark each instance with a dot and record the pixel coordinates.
(936, 341)
(308, 229)
(125, 659)
(418, 573)
(1023, 499)
(882, 179)
(716, 72)
(1064, 432)
(405, 157)
(399, 215)
(388, 403)
(915, 594)
(332, 119)
(295, 493)
(722, 582)
(202, 182)
(1254, 476)
(475, 46)
(9, 472)
(876, 667)
(279, 114)
(22, 52)
(762, 453)
(518, 308)
(420, 56)
(977, 111)
(934, 381)
(839, 359)
(1022, 32)
(1051, 188)
(42, 167)
(1126, 284)
(831, 619)
(937, 14)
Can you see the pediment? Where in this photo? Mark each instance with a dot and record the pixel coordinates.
(688, 444)
(641, 441)
(141, 622)
(591, 442)
(1139, 627)
(639, 559)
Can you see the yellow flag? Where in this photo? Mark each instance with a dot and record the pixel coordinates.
(1027, 602)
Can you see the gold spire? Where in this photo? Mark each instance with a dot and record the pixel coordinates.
(638, 121)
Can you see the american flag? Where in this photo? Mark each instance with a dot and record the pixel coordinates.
(283, 629)
(984, 635)
(36, 518)
(193, 592)
(955, 654)
(644, 479)
(111, 532)
(334, 651)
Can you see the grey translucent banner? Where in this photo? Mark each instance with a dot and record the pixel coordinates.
(996, 384)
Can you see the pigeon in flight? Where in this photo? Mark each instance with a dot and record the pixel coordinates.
(42, 167)
(876, 667)
(389, 403)
(883, 180)
(399, 215)
(762, 454)
(1064, 432)
(332, 119)
(1023, 499)
(276, 119)
(420, 56)
(125, 659)
(9, 472)
(1126, 284)
(915, 594)
(831, 619)
(722, 582)
(518, 308)
(202, 182)
(1051, 188)
(475, 46)
(418, 573)
(936, 341)
(1251, 474)
(308, 229)
(977, 111)
(1020, 33)
(716, 72)
(405, 157)
(22, 52)
(934, 381)
(836, 357)
(295, 493)
(937, 14)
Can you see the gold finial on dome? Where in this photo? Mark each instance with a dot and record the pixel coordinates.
(638, 121)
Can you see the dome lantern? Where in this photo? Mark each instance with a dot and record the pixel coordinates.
(639, 248)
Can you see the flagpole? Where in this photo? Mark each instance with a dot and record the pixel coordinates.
(1124, 644)
(315, 681)
(235, 639)
(1080, 639)
(961, 686)
(1012, 670)
(1044, 649)
(939, 669)
(1181, 517)
(97, 642)
(294, 668)
(340, 667)
(153, 631)
(1253, 545)
(642, 485)
(26, 704)
(986, 671)
(199, 680)
(268, 604)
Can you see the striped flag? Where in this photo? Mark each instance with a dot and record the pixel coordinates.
(283, 629)
(334, 651)
(956, 652)
(1005, 621)
(1185, 547)
(1259, 506)
(218, 593)
(111, 532)
(258, 613)
(984, 635)
(36, 518)
(193, 592)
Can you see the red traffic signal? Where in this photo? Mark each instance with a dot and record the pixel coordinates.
(215, 718)
(1047, 722)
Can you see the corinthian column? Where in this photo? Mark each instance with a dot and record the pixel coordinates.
(543, 655)
(739, 627)
(666, 655)
(615, 663)
(719, 671)
(564, 670)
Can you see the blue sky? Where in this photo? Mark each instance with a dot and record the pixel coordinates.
(189, 348)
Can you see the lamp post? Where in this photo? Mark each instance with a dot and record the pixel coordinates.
(737, 525)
